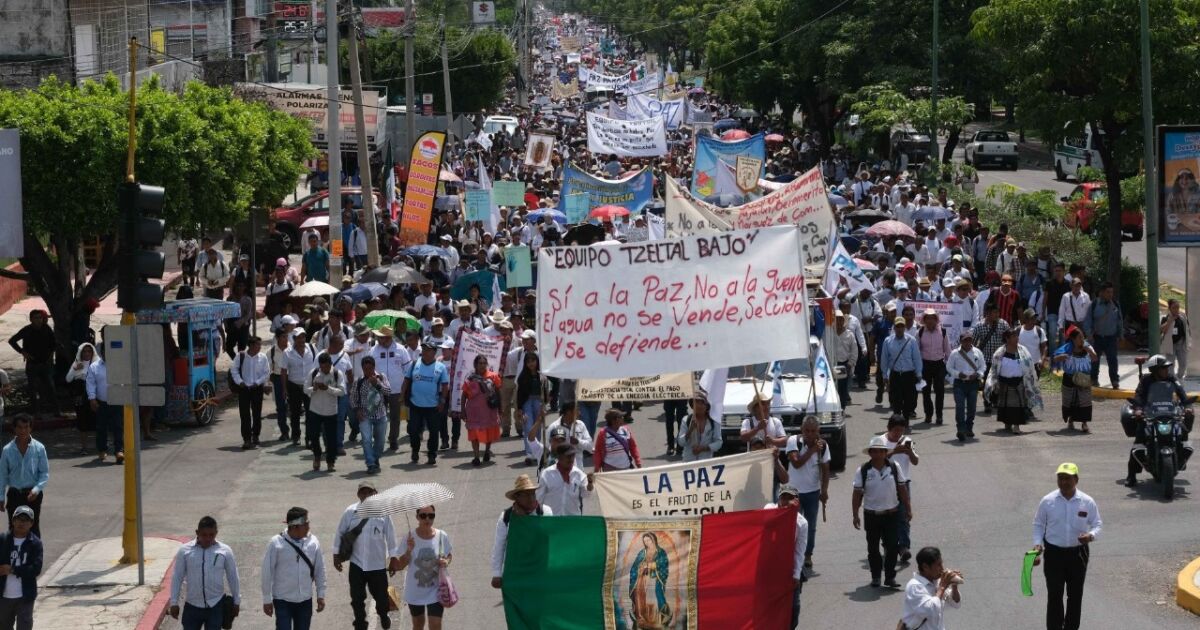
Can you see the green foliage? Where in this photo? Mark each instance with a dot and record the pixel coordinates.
(1037, 217)
(1132, 285)
(481, 63)
(1089, 174)
(1133, 193)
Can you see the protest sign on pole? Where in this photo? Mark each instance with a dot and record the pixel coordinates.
(467, 346)
(645, 106)
(511, 194)
(685, 216)
(632, 193)
(711, 152)
(626, 138)
(479, 205)
(722, 484)
(948, 316)
(541, 146)
(423, 170)
(659, 387)
(691, 303)
(518, 267)
(577, 207)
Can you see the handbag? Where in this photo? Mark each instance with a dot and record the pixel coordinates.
(227, 614)
(393, 599)
(447, 593)
(1081, 379)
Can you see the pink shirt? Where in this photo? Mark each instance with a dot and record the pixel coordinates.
(934, 345)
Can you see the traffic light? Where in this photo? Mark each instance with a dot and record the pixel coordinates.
(139, 235)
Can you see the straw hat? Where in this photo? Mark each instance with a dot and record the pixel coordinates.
(764, 397)
(522, 484)
(384, 331)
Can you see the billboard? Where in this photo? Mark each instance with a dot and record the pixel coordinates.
(312, 104)
(1178, 190)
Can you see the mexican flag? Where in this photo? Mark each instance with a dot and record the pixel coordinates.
(726, 571)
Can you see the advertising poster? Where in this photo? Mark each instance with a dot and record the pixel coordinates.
(423, 170)
(1179, 192)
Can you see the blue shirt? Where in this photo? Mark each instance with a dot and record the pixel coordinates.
(316, 264)
(901, 355)
(31, 470)
(427, 382)
(1103, 319)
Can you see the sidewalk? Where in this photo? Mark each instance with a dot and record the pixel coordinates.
(1127, 370)
(87, 588)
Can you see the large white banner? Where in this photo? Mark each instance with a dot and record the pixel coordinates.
(469, 345)
(645, 106)
(802, 202)
(686, 216)
(684, 304)
(678, 386)
(626, 138)
(721, 484)
(644, 85)
(596, 79)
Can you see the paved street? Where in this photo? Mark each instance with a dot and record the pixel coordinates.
(975, 502)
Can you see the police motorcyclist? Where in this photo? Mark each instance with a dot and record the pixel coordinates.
(1159, 372)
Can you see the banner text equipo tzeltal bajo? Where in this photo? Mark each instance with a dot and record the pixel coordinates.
(652, 252)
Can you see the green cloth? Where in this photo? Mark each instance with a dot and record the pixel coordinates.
(1027, 573)
(576, 568)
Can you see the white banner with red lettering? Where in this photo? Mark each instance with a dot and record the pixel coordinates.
(684, 304)
(948, 317)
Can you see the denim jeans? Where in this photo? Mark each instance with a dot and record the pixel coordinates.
(293, 615)
(532, 408)
(904, 528)
(374, 431)
(965, 397)
(1106, 345)
(343, 413)
(195, 618)
(810, 504)
(1052, 331)
(589, 413)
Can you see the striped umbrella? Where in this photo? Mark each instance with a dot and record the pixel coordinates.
(401, 498)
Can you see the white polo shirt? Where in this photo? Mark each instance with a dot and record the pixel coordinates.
(880, 492)
(806, 478)
(774, 427)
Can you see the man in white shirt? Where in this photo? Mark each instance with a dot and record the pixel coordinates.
(508, 384)
(342, 363)
(762, 423)
(392, 360)
(524, 503)
(563, 486)
(287, 585)
(108, 417)
(966, 367)
(206, 564)
(425, 297)
(904, 456)
(930, 590)
(789, 498)
(250, 372)
(358, 347)
(577, 431)
(1067, 521)
(276, 356)
(466, 319)
(299, 360)
(369, 544)
(1073, 307)
(325, 387)
(904, 210)
(808, 473)
(879, 490)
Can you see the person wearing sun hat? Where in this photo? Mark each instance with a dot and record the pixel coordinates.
(524, 503)
(879, 489)
(1065, 524)
(760, 422)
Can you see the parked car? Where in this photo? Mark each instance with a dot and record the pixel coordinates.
(291, 218)
(991, 147)
(800, 398)
(1074, 152)
(1080, 208)
(494, 124)
(909, 141)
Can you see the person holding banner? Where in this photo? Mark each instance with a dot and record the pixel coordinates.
(481, 407)
(700, 436)
(616, 448)
(762, 423)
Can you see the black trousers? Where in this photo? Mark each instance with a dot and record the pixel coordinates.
(297, 408)
(16, 497)
(674, 411)
(1065, 568)
(250, 407)
(362, 581)
(421, 419)
(882, 528)
(902, 392)
(935, 388)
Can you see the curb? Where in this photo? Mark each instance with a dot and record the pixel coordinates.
(157, 610)
(1187, 594)
(53, 424)
(1108, 393)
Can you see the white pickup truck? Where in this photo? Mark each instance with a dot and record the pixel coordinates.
(991, 147)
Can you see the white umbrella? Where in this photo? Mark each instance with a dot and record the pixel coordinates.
(405, 497)
(314, 288)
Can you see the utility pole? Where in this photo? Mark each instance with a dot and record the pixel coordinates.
(933, 93)
(446, 75)
(523, 55)
(1148, 140)
(334, 133)
(272, 48)
(410, 86)
(364, 153)
(312, 39)
(191, 32)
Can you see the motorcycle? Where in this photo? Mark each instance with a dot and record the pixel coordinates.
(1162, 447)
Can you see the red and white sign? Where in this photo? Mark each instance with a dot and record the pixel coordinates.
(483, 12)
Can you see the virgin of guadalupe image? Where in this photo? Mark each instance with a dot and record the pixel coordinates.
(647, 586)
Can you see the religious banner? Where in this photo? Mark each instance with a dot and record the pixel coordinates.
(948, 317)
(508, 193)
(720, 484)
(672, 111)
(518, 270)
(712, 152)
(730, 571)
(423, 170)
(661, 387)
(691, 303)
(479, 205)
(685, 215)
(632, 193)
(747, 171)
(560, 90)
(541, 146)
(468, 345)
(626, 138)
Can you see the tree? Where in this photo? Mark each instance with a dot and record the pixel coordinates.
(215, 155)
(880, 107)
(481, 63)
(1074, 63)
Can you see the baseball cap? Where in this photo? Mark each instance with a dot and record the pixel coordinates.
(366, 484)
(528, 334)
(899, 321)
(23, 510)
(558, 432)
(788, 489)
(1067, 468)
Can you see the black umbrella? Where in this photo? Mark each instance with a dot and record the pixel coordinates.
(584, 234)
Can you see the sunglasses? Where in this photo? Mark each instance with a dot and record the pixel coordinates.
(426, 516)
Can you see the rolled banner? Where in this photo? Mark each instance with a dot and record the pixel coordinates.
(1027, 573)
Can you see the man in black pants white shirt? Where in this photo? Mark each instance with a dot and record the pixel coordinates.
(250, 372)
(1067, 521)
(879, 490)
(374, 555)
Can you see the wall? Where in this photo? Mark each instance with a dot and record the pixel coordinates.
(34, 28)
(28, 74)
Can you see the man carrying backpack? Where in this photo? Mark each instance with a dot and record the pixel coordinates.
(879, 490)
(369, 545)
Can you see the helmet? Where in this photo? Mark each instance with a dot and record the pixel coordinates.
(1158, 361)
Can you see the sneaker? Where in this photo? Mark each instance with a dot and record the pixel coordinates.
(475, 462)
(385, 622)
(891, 583)
(1131, 481)
(875, 582)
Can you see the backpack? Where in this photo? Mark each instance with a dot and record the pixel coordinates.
(346, 544)
(862, 473)
(507, 516)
